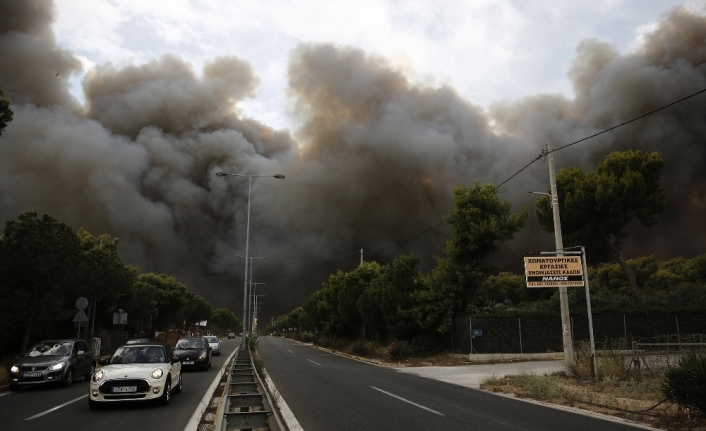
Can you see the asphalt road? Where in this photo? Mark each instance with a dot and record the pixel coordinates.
(55, 408)
(329, 392)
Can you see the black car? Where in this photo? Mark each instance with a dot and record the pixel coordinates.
(53, 361)
(193, 353)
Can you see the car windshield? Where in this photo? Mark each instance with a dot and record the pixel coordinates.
(51, 348)
(187, 344)
(212, 339)
(138, 355)
(137, 341)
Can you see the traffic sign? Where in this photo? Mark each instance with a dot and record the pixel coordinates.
(80, 317)
(476, 332)
(81, 303)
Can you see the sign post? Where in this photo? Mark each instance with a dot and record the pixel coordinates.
(80, 317)
(548, 269)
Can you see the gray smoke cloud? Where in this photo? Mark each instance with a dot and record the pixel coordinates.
(373, 162)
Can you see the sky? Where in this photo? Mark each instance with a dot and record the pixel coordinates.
(488, 50)
(124, 111)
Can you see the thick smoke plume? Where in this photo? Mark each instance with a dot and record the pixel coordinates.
(373, 163)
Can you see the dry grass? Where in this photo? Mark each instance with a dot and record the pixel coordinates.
(618, 391)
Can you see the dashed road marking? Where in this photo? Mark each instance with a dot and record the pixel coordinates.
(408, 401)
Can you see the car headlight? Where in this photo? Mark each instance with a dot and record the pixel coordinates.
(203, 355)
(156, 374)
(14, 369)
(97, 376)
(56, 367)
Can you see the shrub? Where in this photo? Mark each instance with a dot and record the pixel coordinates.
(425, 345)
(399, 350)
(252, 343)
(685, 384)
(360, 348)
(306, 337)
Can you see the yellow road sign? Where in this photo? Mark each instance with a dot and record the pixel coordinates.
(553, 271)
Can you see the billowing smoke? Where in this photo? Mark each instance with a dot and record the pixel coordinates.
(373, 162)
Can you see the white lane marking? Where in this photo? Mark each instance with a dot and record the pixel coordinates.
(201, 407)
(313, 362)
(6, 393)
(55, 408)
(290, 351)
(408, 401)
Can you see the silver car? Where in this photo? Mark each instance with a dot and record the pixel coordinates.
(215, 344)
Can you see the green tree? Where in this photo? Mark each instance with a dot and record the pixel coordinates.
(197, 309)
(171, 298)
(5, 111)
(480, 223)
(596, 207)
(39, 258)
(224, 319)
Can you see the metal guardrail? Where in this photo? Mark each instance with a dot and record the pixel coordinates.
(248, 405)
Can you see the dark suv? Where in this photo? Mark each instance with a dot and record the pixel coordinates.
(53, 361)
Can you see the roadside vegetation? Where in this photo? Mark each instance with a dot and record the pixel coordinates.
(669, 395)
(397, 304)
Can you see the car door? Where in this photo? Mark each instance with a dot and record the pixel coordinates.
(87, 357)
(175, 367)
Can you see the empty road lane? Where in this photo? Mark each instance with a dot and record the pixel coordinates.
(329, 392)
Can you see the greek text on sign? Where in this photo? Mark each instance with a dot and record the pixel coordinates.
(553, 271)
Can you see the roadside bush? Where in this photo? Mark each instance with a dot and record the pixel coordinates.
(424, 346)
(252, 343)
(306, 337)
(361, 348)
(399, 350)
(685, 384)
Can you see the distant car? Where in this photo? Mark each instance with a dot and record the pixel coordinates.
(137, 341)
(136, 372)
(194, 353)
(215, 344)
(53, 361)
(231, 335)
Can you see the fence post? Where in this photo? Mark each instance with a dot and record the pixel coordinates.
(519, 326)
(470, 329)
(676, 319)
(625, 330)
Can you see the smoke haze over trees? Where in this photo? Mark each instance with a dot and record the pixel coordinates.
(374, 161)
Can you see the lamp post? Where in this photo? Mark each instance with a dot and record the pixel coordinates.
(250, 288)
(253, 311)
(247, 241)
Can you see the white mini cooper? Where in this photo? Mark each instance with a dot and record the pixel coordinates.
(136, 372)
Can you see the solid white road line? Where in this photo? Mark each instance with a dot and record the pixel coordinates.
(5, 393)
(313, 362)
(201, 407)
(408, 401)
(55, 408)
(290, 351)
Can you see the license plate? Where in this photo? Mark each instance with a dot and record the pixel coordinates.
(188, 362)
(33, 374)
(125, 389)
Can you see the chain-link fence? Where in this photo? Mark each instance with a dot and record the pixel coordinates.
(543, 334)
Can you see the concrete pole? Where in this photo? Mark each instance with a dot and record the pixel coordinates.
(590, 313)
(563, 293)
(361, 257)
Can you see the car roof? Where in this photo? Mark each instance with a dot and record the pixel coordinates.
(150, 344)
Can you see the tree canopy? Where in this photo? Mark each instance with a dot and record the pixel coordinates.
(596, 207)
(5, 111)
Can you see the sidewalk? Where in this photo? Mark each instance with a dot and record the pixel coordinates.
(471, 375)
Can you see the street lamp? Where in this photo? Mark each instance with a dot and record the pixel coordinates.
(247, 241)
(250, 288)
(253, 312)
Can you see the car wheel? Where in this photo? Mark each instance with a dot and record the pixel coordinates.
(167, 394)
(179, 386)
(68, 379)
(90, 373)
(14, 387)
(94, 405)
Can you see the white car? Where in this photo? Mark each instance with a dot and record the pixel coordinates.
(215, 344)
(136, 372)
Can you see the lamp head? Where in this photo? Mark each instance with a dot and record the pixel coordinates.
(279, 176)
(221, 174)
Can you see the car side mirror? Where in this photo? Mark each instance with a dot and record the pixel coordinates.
(175, 359)
(80, 353)
(103, 361)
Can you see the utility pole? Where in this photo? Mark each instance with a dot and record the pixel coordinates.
(563, 293)
(361, 257)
